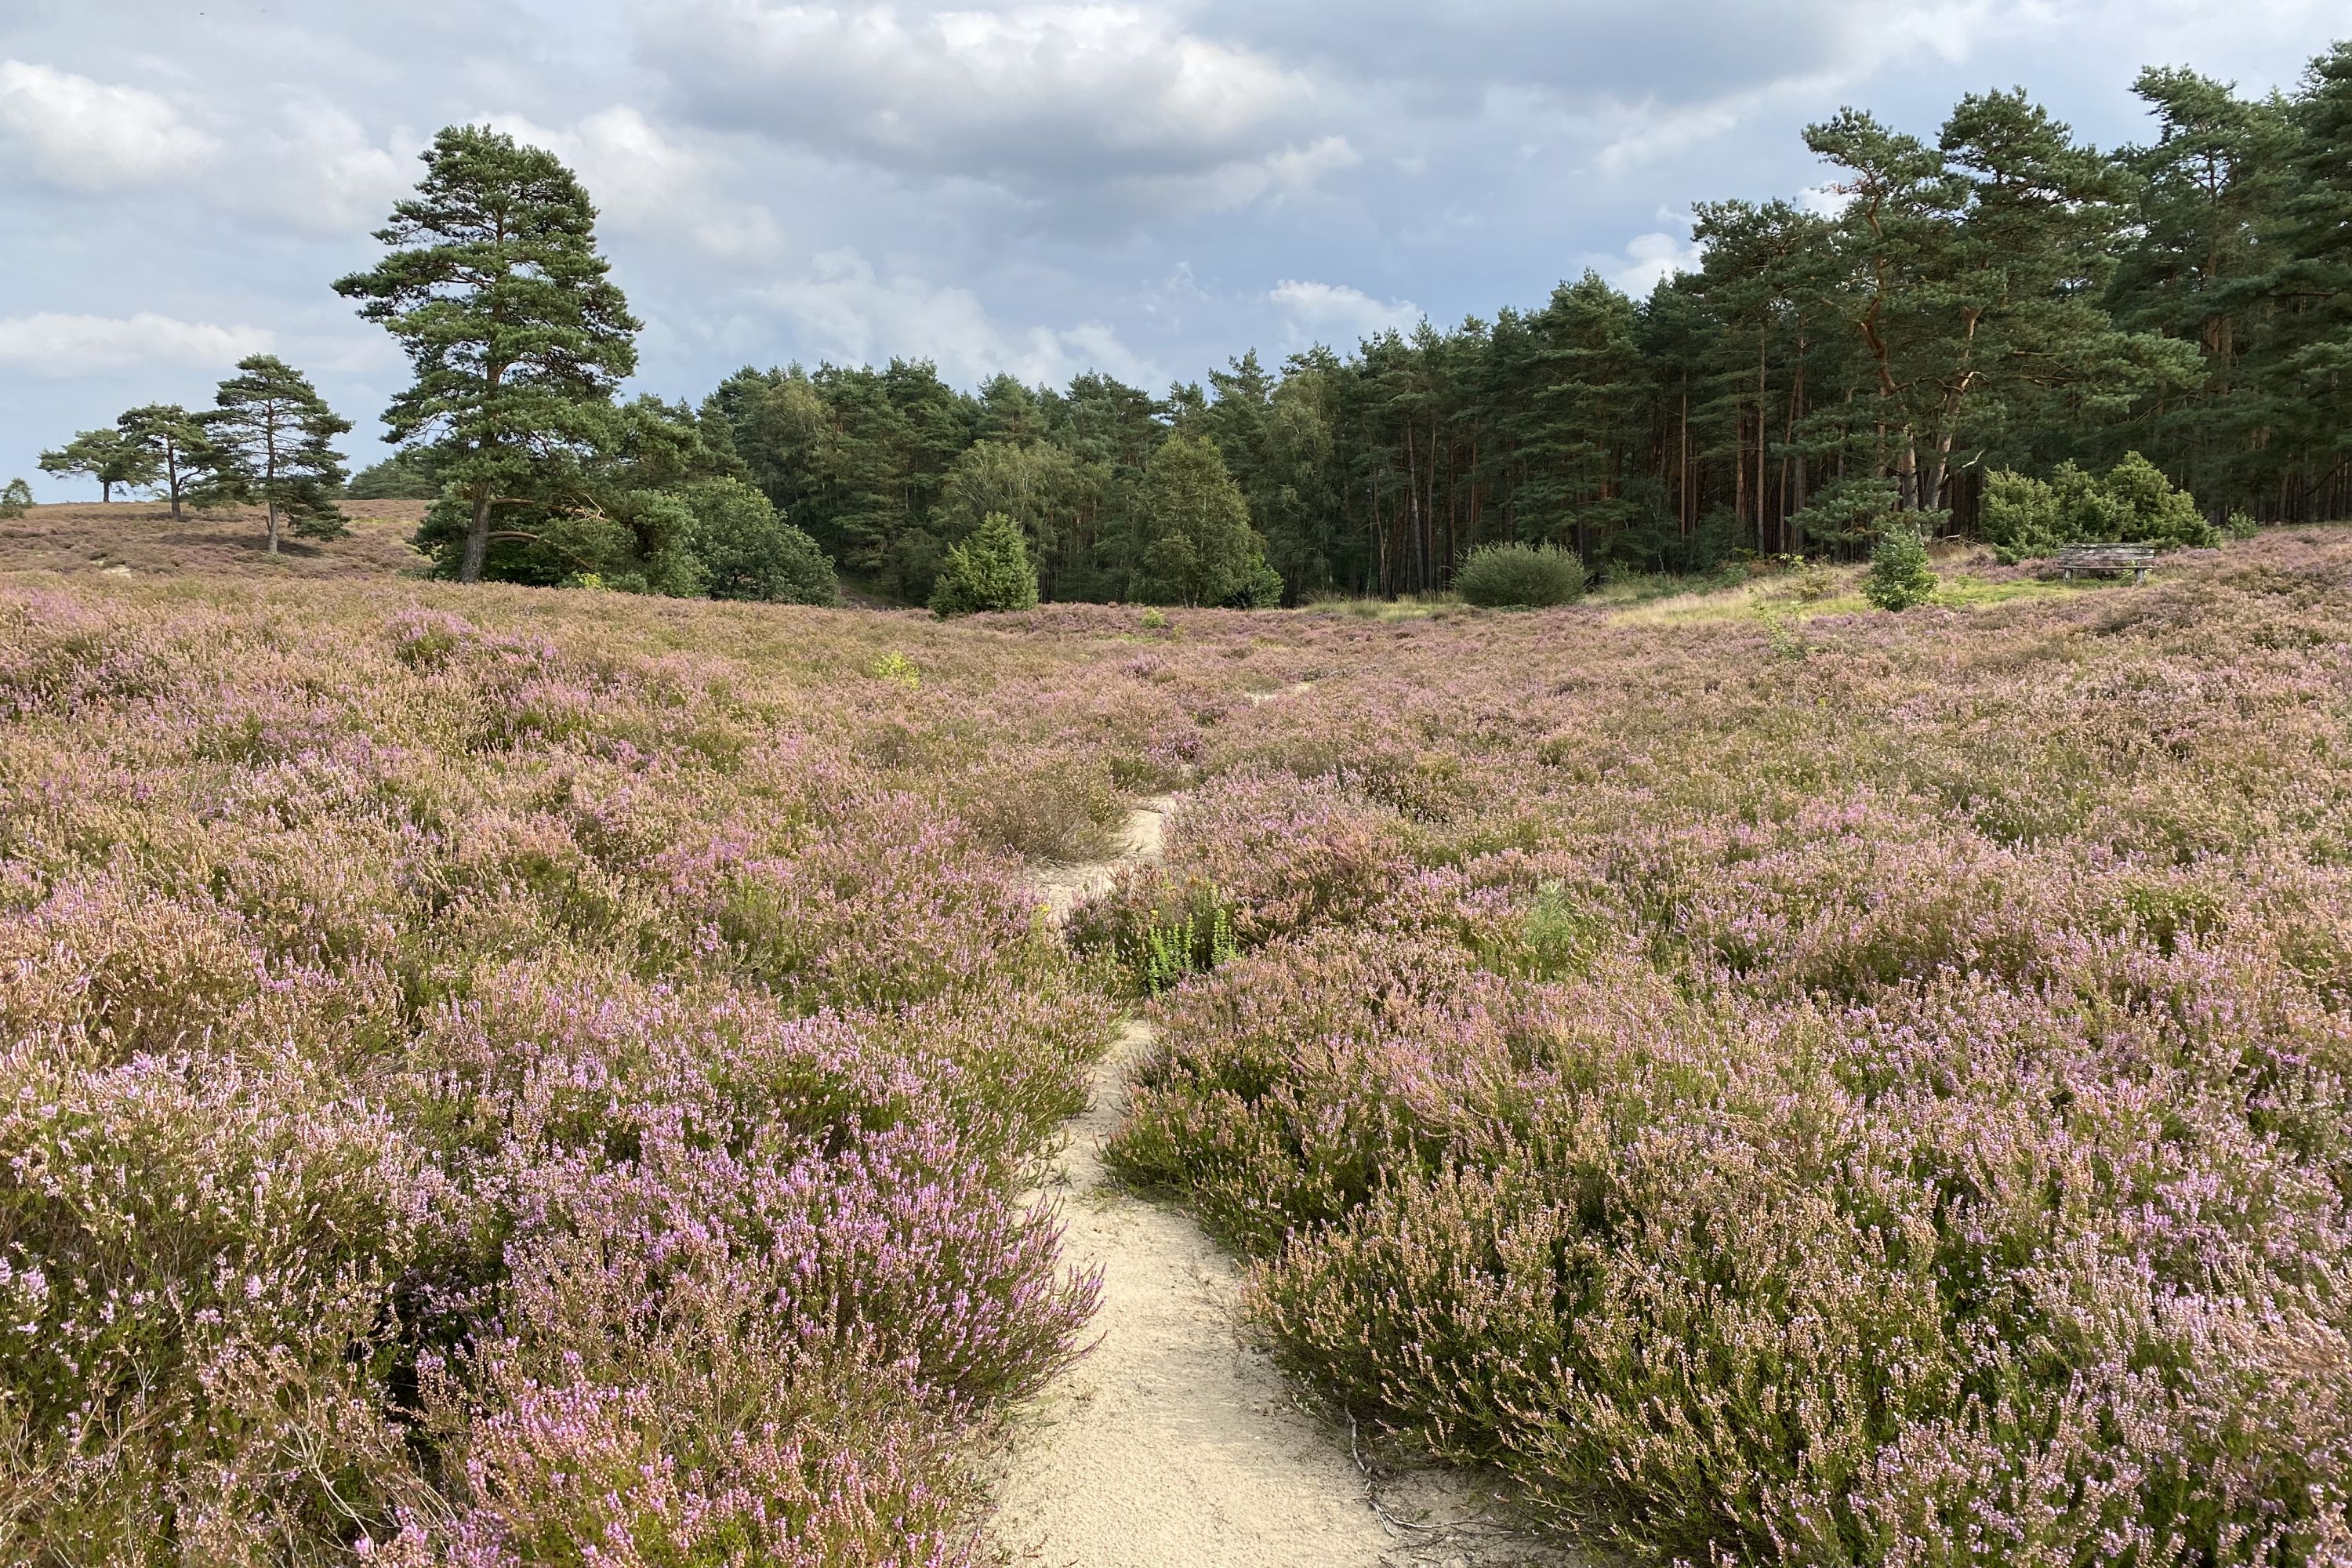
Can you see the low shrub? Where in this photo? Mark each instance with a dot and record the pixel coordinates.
(1261, 590)
(1735, 1271)
(447, 1074)
(1899, 574)
(2132, 503)
(1521, 576)
(989, 571)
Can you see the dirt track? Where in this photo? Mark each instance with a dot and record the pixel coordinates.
(1175, 1441)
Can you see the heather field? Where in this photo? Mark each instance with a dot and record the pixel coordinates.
(492, 1076)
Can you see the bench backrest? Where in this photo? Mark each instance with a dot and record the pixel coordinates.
(2081, 554)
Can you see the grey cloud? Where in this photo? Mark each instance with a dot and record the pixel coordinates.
(1052, 103)
(1144, 187)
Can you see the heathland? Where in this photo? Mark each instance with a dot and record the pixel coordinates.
(530, 1036)
(498, 1075)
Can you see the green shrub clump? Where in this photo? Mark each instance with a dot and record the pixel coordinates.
(989, 571)
(1521, 577)
(1261, 589)
(749, 552)
(1899, 576)
(2133, 504)
(1846, 512)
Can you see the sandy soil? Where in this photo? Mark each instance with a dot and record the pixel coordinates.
(1175, 1440)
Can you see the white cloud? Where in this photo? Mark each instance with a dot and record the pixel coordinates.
(1821, 201)
(846, 311)
(318, 170)
(1652, 133)
(1045, 101)
(1337, 314)
(94, 136)
(646, 181)
(68, 346)
(1651, 258)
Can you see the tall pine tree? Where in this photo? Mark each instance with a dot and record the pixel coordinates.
(174, 443)
(271, 440)
(494, 288)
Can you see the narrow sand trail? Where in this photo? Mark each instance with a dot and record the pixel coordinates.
(1174, 1441)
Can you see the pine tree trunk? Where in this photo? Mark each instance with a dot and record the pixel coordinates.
(1763, 448)
(478, 540)
(271, 505)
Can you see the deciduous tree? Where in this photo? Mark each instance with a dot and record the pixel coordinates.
(1194, 543)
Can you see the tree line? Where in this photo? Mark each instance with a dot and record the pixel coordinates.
(1999, 303)
(1958, 332)
(268, 440)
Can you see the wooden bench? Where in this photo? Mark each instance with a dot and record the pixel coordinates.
(2134, 559)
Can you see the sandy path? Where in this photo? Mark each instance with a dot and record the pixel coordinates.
(1174, 1441)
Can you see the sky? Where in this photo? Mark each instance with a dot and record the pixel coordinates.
(1141, 189)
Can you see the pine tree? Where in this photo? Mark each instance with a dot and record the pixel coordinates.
(271, 440)
(2314, 283)
(495, 289)
(2206, 214)
(104, 455)
(989, 571)
(173, 441)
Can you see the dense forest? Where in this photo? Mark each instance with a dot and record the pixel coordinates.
(2001, 297)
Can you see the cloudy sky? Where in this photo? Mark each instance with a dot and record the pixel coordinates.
(1140, 188)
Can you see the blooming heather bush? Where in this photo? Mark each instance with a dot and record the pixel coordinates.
(1888, 1107)
(492, 1092)
(516, 1085)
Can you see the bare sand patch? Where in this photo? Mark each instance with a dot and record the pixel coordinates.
(1175, 1440)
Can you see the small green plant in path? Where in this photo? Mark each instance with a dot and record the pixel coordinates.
(1201, 939)
(1899, 576)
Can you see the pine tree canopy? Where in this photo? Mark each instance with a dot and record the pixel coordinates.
(494, 287)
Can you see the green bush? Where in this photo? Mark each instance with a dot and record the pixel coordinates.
(1845, 512)
(404, 475)
(989, 571)
(748, 550)
(1521, 576)
(1899, 574)
(1261, 590)
(2133, 504)
(16, 498)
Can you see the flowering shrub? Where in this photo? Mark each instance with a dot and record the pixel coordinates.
(1889, 1107)
(482, 1084)
(475, 1089)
